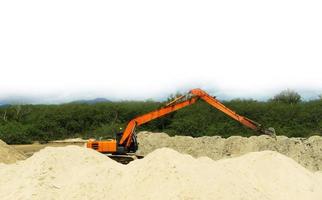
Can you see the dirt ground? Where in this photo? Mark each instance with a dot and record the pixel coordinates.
(30, 149)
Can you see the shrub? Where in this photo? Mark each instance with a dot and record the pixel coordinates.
(15, 133)
(287, 96)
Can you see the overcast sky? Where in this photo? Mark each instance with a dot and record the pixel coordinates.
(63, 50)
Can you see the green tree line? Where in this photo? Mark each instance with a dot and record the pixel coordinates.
(285, 112)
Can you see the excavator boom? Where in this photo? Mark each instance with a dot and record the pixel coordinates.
(129, 130)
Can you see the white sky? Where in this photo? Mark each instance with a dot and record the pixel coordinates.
(62, 50)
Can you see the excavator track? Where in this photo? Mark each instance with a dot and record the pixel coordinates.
(124, 159)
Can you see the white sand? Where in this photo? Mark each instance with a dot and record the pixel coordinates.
(78, 173)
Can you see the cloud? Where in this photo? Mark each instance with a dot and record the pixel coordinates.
(143, 49)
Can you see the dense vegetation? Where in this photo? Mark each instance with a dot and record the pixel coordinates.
(285, 112)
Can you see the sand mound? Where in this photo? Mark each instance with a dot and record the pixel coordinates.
(307, 152)
(8, 154)
(78, 173)
(70, 140)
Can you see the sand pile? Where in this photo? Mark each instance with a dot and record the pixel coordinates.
(70, 140)
(307, 152)
(8, 154)
(78, 173)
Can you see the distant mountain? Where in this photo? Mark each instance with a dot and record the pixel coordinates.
(23, 101)
(15, 100)
(4, 105)
(92, 101)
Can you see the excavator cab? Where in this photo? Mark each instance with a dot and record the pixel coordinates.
(122, 149)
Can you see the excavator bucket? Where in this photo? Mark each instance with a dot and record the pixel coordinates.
(271, 131)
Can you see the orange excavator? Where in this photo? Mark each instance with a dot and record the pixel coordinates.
(125, 145)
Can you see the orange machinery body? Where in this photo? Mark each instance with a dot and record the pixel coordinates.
(104, 146)
(126, 142)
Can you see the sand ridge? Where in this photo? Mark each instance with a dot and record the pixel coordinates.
(307, 152)
(9, 154)
(74, 172)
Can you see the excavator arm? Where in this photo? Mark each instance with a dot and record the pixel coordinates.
(217, 104)
(192, 97)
